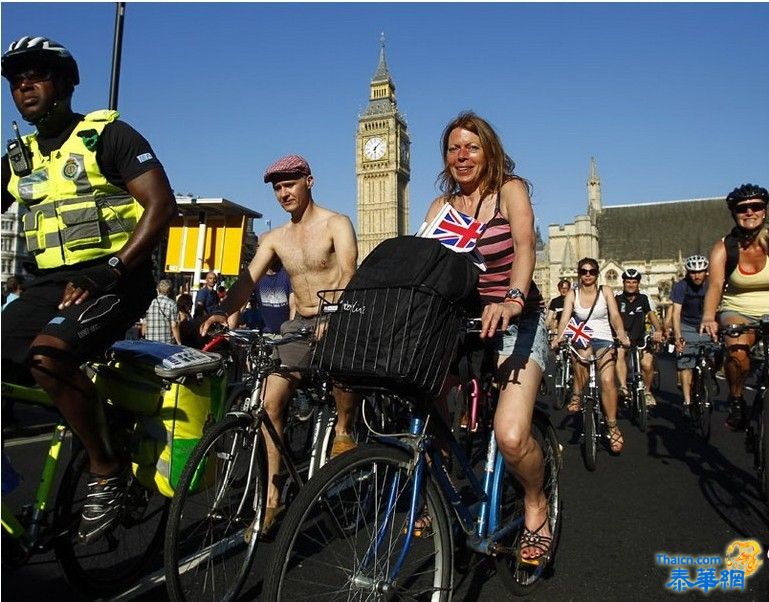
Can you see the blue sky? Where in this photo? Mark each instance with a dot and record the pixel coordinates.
(671, 99)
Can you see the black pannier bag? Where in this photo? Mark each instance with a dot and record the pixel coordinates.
(396, 324)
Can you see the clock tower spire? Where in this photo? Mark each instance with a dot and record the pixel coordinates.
(381, 163)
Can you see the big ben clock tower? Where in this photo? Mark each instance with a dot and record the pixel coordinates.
(381, 164)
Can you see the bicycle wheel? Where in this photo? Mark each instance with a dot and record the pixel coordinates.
(114, 562)
(702, 408)
(561, 389)
(345, 531)
(589, 447)
(520, 579)
(763, 445)
(640, 402)
(207, 556)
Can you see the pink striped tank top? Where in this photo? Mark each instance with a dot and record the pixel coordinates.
(496, 246)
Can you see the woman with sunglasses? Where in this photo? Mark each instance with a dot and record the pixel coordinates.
(478, 180)
(596, 305)
(739, 281)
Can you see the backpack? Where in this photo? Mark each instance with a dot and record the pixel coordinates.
(731, 242)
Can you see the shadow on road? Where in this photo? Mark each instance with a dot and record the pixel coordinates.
(731, 491)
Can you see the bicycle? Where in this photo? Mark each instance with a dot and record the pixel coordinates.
(563, 378)
(636, 386)
(593, 423)
(51, 521)
(757, 432)
(703, 389)
(352, 530)
(213, 533)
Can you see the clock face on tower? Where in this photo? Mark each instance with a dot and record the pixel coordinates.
(404, 151)
(375, 148)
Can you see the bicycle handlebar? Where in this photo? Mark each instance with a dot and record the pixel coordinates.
(735, 330)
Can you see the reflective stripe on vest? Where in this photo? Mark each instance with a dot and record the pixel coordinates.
(75, 214)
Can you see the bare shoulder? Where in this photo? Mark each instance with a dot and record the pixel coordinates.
(514, 200)
(435, 207)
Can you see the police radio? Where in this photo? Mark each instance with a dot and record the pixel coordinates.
(18, 154)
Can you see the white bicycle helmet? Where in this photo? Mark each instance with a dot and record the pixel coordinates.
(696, 263)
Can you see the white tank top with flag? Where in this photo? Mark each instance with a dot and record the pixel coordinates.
(599, 319)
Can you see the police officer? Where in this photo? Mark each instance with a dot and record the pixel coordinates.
(98, 203)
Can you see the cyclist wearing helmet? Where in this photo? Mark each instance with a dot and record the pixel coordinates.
(98, 203)
(739, 280)
(635, 307)
(687, 298)
(555, 307)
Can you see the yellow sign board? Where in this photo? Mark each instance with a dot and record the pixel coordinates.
(222, 249)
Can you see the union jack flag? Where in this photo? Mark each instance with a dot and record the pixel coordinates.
(581, 334)
(457, 231)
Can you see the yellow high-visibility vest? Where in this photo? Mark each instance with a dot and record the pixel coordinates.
(74, 213)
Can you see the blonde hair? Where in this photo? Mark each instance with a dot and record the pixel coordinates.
(763, 239)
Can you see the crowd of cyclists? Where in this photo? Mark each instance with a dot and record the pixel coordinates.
(732, 287)
(99, 201)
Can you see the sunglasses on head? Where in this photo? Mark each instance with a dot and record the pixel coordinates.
(588, 272)
(754, 207)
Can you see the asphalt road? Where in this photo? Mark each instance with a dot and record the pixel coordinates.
(669, 492)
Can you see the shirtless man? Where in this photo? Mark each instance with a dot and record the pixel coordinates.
(318, 250)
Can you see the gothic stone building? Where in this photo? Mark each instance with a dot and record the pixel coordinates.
(653, 238)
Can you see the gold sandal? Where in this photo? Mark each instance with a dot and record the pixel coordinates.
(614, 435)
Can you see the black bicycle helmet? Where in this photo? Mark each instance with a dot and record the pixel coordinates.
(631, 274)
(49, 52)
(744, 193)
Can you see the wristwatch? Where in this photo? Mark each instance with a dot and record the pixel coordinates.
(116, 264)
(515, 293)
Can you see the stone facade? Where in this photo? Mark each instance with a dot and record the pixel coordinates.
(653, 238)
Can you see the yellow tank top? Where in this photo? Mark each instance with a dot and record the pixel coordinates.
(748, 294)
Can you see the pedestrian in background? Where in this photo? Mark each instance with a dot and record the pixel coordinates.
(206, 299)
(13, 286)
(188, 327)
(162, 320)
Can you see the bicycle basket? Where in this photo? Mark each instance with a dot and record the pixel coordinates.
(398, 338)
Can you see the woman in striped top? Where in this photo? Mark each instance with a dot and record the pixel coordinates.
(478, 180)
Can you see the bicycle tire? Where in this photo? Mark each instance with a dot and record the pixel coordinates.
(561, 389)
(643, 410)
(589, 443)
(333, 520)
(205, 532)
(656, 378)
(702, 408)
(763, 445)
(115, 561)
(521, 579)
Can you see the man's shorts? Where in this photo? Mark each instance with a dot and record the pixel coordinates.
(524, 340)
(88, 328)
(688, 357)
(296, 354)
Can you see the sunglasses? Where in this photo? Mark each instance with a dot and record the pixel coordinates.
(586, 272)
(32, 76)
(754, 207)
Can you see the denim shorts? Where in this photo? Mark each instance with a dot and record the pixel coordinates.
(524, 340)
(688, 356)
